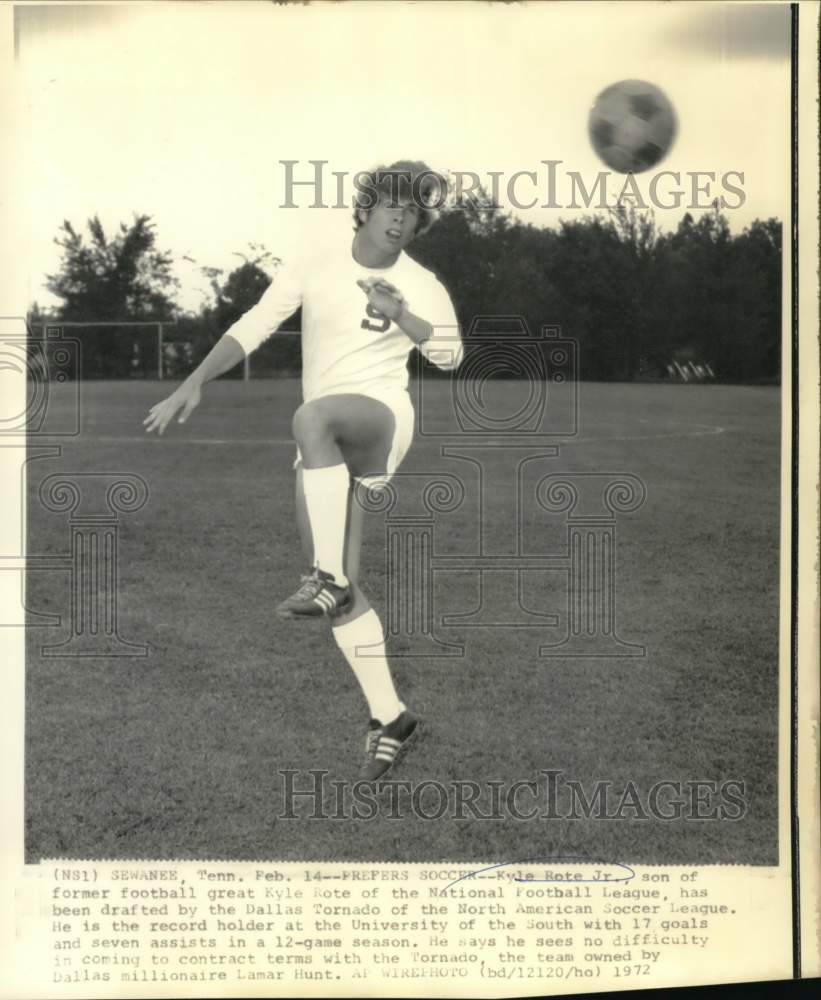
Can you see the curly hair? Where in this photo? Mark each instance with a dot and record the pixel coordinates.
(408, 180)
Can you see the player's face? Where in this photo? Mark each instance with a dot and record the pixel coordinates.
(391, 224)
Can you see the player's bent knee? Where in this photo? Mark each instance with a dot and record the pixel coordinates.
(311, 420)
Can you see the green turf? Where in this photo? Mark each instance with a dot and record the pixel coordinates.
(177, 755)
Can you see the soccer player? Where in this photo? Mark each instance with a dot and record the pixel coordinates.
(365, 306)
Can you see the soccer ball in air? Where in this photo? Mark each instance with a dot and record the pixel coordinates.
(632, 125)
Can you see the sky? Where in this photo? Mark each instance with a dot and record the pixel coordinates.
(184, 111)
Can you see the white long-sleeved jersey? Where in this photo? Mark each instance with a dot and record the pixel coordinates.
(346, 348)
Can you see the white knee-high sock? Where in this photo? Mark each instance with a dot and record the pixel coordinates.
(362, 644)
(326, 497)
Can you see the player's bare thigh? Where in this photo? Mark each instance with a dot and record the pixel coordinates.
(358, 427)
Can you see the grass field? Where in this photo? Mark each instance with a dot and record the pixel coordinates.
(176, 755)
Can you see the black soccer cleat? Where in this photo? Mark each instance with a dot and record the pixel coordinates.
(319, 595)
(386, 745)
(372, 739)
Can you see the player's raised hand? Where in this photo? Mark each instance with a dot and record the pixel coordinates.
(383, 296)
(183, 400)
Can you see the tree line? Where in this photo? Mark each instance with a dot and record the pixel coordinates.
(635, 298)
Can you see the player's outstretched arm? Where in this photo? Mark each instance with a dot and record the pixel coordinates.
(226, 353)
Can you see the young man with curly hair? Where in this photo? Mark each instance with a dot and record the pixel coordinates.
(365, 305)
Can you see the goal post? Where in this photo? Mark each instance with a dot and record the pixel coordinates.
(165, 349)
(116, 348)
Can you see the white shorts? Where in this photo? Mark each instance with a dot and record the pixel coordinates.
(399, 403)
